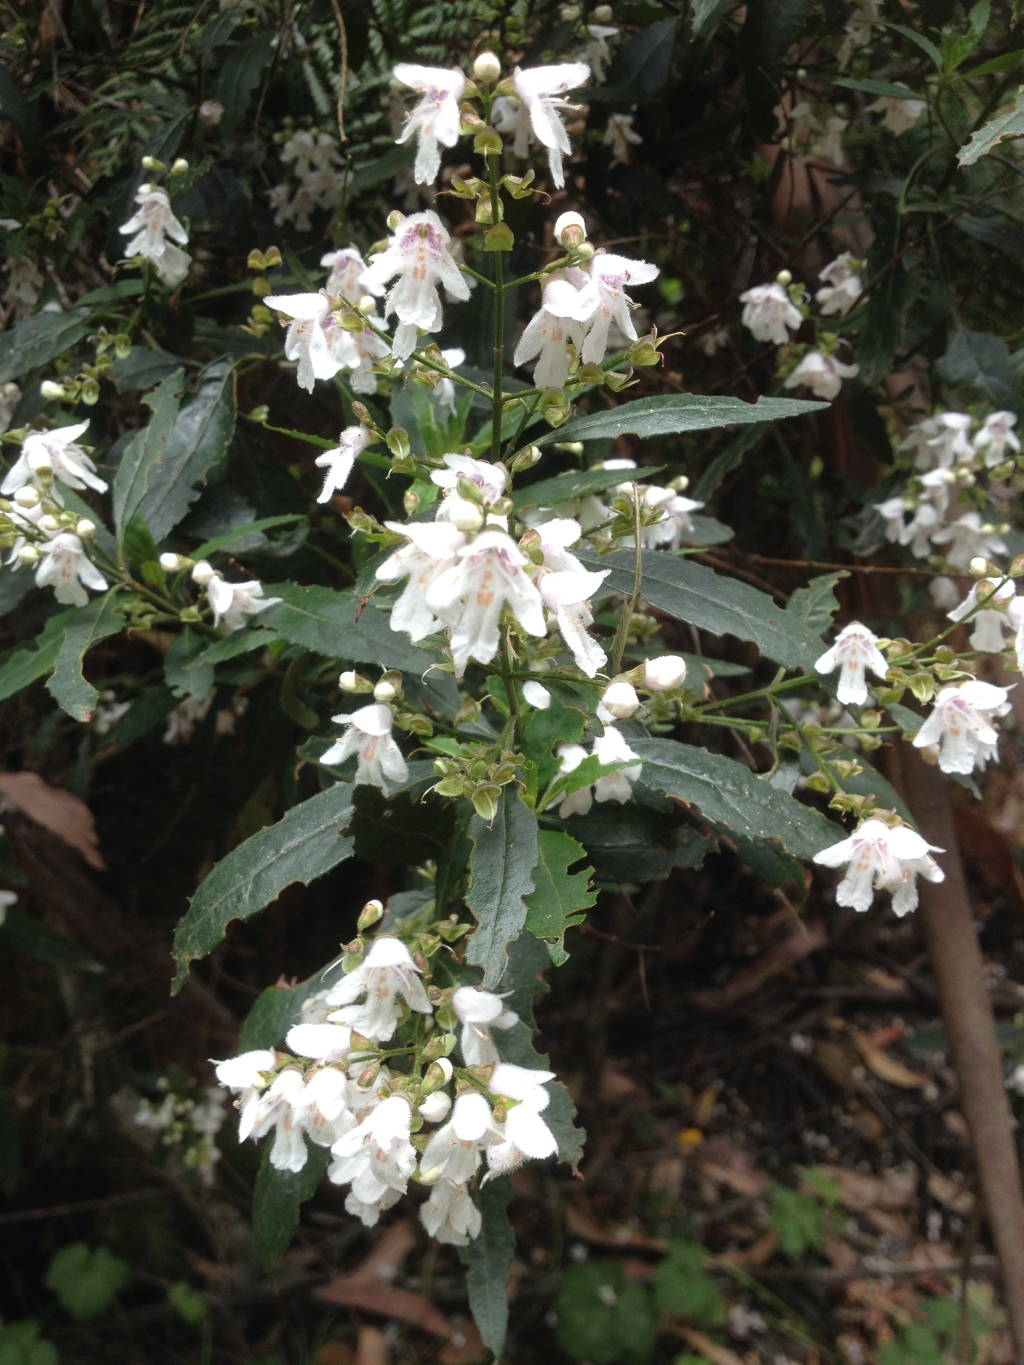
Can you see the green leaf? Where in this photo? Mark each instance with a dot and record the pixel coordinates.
(994, 67)
(731, 797)
(28, 935)
(85, 627)
(197, 441)
(301, 847)
(796, 1218)
(637, 845)
(728, 459)
(993, 231)
(209, 547)
(982, 362)
(20, 1344)
(144, 367)
(26, 666)
(669, 414)
(325, 621)
(186, 673)
(815, 605)
(769, 31)
(239, 642)
(240, 74)
(278, 1196)
(1008, 124)
(603, 1320)
(505, 853)
(399, 829)
(919, 40)
(145, 451)
(87, 1282)
(683, 1287)
(884, 89)
(39, 339)
(273, 1013)
(577, 484)
(487, 1259)
(882, 332)
(722, 606)
(560, 898)
(147, 711)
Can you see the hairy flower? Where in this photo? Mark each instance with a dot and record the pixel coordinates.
(603, 303)
(479, 1011)
(968, 538)
(430, 550)
(232, 603)
(306, 339)
(377, 1156)
(57, 451)
(665, 673)
(524, 1133)
(153, 223)
(346, 268)
(418, 259)
(369, 738)
(988, 623)
(770, 314)
(435, 120)
(550, 333)
(822, 374)
(899, 113)
(620, 135)
(961, 725)
(884, 859)
(338, 463)
(67, 569)
(537, 107)
(843, 285)
(855, 649)
(997, 438)
(388, 977)
(450, 1214)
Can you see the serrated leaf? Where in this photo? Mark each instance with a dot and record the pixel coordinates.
(273, 1013)
(39, 339)
(1006, 125)
(577, 483)
(26, 666)
(561, 898)
(145, 451)
(731, 797)
(487, 1259)
(325, 621)
(399, 829)
(186, 673)
(301, 847)
(816, 604)
(638, 845)
(249, 528)
(505, 853)
(198, 439)
(83, 628)
(710, 601)
(144, 367)
(982, 362)
(278, 1196)
(672, 413)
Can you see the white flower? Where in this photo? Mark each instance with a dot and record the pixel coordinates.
(377, 1156)
(387, 975)
(231, 603)
(899, 114)
(524, 1133)
(444, 393)
(346, 266)
(830, 146)
(153, 223)
(10, 397)
(598, 52)
(619, 702)
(306, 340)
(917, 442)
(323, 1042)
(566, 588)
(536, 695)
(549, 334)
(843, 285)
(454, 1151)
(950, 442)
(369, 737)
(489, 478)
(968, 538)
(435, 1108)
(988, 624)
(882, 859)
(579, 802)
(996, 437)
(620, 136)
(822, 374)
(436, 118)
(611, 747)
(961, 725)
(431, 549)
(66, 568)
(322, 1107)
(275, 1108)
(450, 1215)
(479, 1011)
(57, 451)
(540, 92)
(768, 312)
(674, 521)
(665, 673)
(338, 463)
(7, 899)
(855, 649)
(418, 255)
(248, 1071)
(570, 222)
(469, 596)
(603, 302)
(357, 352)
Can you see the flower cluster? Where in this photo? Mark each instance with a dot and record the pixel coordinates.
(340, 1087)
(153, 224)
(186, 1124)
(316, 180)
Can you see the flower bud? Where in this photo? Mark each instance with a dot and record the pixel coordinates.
(437, 1074)
(398, 443)
(149, 163)
(395, 217)
(385, 691)
(487, 68)
(171, 563)
(620, 700)
(664, 674)
(27, 496)
(569, 13)
(570, 229)
(979, 566)
(465, 515)
(785, 278)
(49, 523)
(602, 14)
(526, 459)
(85, 529)
(211, 113)
(203, 572)
(28, 554)
(586, 251)
(51, 391)
(179, 166)
(369, 915)
(350, 681)
(367, 306)
(555, 407)
(368, 1075)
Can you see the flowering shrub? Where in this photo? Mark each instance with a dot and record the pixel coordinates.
(502, 629)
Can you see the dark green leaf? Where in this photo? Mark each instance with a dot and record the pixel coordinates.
(278, 1196)
(669, 414)
(240, 74)
(560, 899)
(87, 1281)
(706, 531)
(637, 845)
(994, 232)
(982, 362)
(146, 450)
(577, 484)
(769, 31)
(919, 40)
(815, 605)
(731, 797)
(884, 89)
(1008, 124)
(274, 1012)
(198, 440)
(239, 642)
(27, 665)
(487, 1260)
(728, 459)
(301, 847)
(40, 339)
(399, 829)
(144, 713)
(882, 332)
(186, 673)
(237, 533)
(683, 1287)
(325, 621)
(85, 627)
(144, 367)
(994, 67)
(504, 856)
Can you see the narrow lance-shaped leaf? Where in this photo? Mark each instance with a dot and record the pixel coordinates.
(301, 847)
(278, 1196)
(145, 451)
(325, 621)
(85, 627)
(504, 856)
(669, 414)
(38, 339)
(487, 1259)
(1008, 124)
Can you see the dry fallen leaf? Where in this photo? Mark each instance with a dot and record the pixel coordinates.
(465, 1346)
(893, 1190)
(388, 1254)
(348, 1291)
(948, 1192)
(886, 1067)
(781, 957)
(58, 811)
(727, 1164)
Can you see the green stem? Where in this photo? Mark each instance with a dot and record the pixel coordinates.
(629, 606)
(760, 695)
(474, 274)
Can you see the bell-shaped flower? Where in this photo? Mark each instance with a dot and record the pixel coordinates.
(323, 1042)
(916, 445)
(568, 595)
(579, 802)
(988, 623)
(436, 1107)
(153, 223)
(598, 52)
(603, 302)
(346, 267)
(997, 438)
(389, 978)
(611, 747)
(57, 451)
(479, 1011)
(822, 374)
(418, 255)
(435, 120)
(843, 285)
(884, 859)
(67, 569)
(674, 511)
(968, 538)
(770, 314)
(855, 649)
(951, 444)
(251, 1071)
(275, 1109)
(537, 107)
(620, 135)
(898, 114)
(450, 1214)
(666, 673)
(369, 738)
(488, 575)
(524, 1133)
(431, 549)
(454, 1151)
(489, 478)
(233, 603)
(322, 1107)
(550, 333)
(306, 340)
(339, 462)
(377, 1156)
(961, 725)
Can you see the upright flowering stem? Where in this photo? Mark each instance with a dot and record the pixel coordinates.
(497, 402)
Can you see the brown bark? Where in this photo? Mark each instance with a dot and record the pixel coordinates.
(947, 923)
